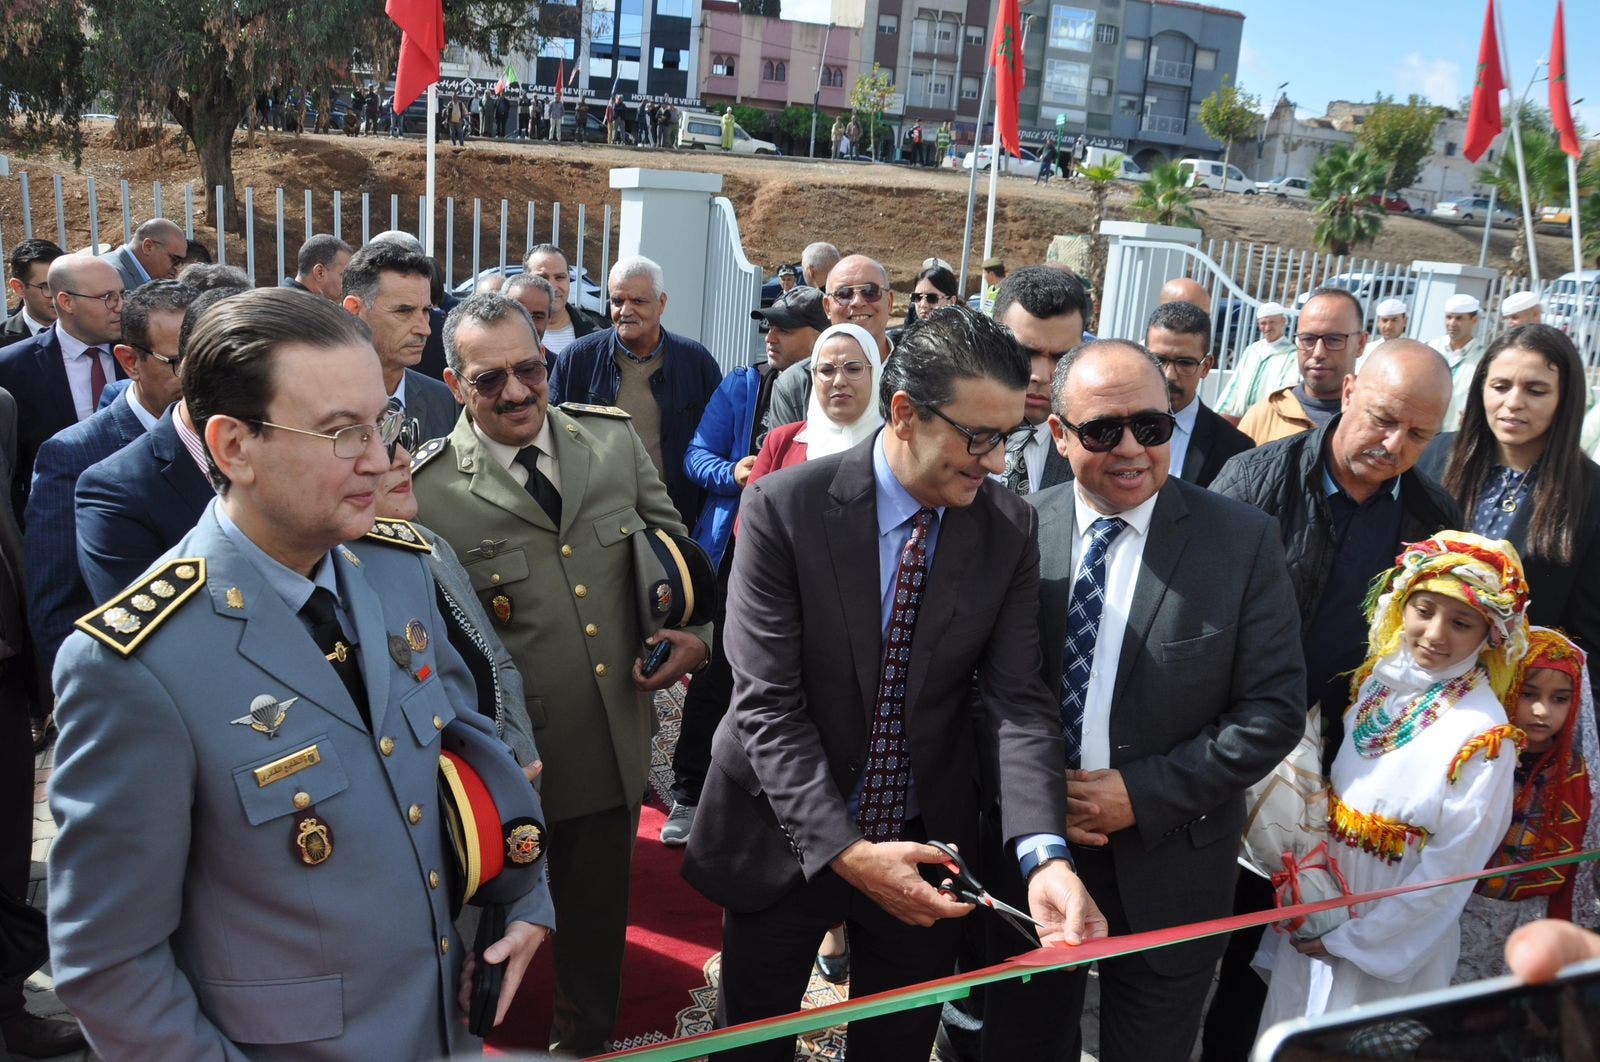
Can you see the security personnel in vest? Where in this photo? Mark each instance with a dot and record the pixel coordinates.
(251, 859)
(540, 505)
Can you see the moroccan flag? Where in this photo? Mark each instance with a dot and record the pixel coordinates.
(421, 24)
(1560, 108)
(1007, 60)
(1483, 123)
(561, 76)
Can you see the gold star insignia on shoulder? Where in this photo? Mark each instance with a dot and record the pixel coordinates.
(427, 452)
(124, 622)
(399, 533)
(583, 409)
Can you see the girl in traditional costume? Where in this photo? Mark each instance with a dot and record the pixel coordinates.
(1421, 787)
(1551, 702)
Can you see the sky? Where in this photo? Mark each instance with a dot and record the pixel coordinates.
(1354, 49)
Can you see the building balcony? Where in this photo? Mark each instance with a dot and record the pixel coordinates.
(1170, 70)
(1166, 124)
(921, 46)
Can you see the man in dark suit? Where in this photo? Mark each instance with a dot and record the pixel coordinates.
(57, 376)
(30, 267)
(320, 266)
(388, 286)
(1170, 642)
(848, 739)
(151, 318)
(157, 250)
(1045, 308)
(1179, 335)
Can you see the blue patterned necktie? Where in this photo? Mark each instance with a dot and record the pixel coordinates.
(1083, 629)
(882, 810)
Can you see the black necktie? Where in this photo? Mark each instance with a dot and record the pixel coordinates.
(319, 615)
(544, 492)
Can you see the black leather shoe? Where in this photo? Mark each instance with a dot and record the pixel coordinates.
(31, 1036)
(835, 969)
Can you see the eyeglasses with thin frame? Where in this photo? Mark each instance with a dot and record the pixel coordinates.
(869, 292)
(1103, 434)
(491, 382)
(351, 442)
(112, 299)
(980, 441)
(43, 285)
(171, 363)
(851, 370)
(1333, 342)
(1182, 366)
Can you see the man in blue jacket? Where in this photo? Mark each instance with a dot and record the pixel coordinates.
(719, 461)
(663, 381)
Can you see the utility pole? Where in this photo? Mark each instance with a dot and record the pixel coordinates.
(816, 97)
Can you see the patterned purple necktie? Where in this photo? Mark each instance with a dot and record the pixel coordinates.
(1083, 630)
(882, 810)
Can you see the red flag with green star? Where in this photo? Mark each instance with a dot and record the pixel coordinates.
(1560, 107)
(1483, 123)
(1007, 60)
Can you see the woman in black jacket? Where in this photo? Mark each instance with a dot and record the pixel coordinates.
(1518, 471)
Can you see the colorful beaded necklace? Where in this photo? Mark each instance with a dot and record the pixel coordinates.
(1376, 732)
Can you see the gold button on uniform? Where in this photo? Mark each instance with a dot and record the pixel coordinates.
(438, 724)
(495, 578)
(444, 945)
(386, 746)
(623, 529)
(580, 591)
(415, 814)
(302, 800)
(433, 879)
(600, 669)
(566, 551)
(591, 630)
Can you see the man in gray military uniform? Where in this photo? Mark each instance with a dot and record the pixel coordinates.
(251, 859)
(540, 505)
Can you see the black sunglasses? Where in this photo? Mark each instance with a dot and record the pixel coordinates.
(1103, 434)
(489, 384)
(870, 292)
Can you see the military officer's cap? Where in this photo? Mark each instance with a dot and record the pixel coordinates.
(492, 815)
(675, 581)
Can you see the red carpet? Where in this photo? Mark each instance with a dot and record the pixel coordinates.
(672, 931)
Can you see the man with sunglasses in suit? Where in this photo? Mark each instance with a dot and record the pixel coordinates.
(1170, 644)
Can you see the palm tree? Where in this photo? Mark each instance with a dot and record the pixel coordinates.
(1343, 185)
(1547, 177)
(1166, 199)
(1099, 176)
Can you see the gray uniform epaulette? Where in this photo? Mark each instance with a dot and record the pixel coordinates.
(427, 452)
(582, 409)
(127, 619)
(399, 533)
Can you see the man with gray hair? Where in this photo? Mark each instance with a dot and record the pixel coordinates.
(662, 380)
(319, 268)
(817, 261)
(515, 489)
(157, 249)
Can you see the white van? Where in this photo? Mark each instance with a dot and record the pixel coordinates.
(705, 131)
(1207, 173)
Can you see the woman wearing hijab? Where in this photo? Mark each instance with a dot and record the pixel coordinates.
(844, 402)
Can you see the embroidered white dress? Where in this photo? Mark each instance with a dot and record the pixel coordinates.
(1403, 821)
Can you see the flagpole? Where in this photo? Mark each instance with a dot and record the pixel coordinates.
(1516, 140)
(433, 143)
(1577, 254)
(994, 151)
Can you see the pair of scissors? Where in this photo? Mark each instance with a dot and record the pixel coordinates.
(965, 888)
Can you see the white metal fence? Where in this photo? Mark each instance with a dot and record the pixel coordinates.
(733, 289)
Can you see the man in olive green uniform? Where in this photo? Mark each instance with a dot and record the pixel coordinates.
(539, 503)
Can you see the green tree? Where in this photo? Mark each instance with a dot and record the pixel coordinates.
(752, 120)
(1546, 165)
(794, 124)
(1399, 136)
(1099, 176)
(1343, 184)
(1166, 199)
(869, 98)
(1227, 115)
(43, 90)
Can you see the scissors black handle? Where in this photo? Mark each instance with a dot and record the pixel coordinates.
(966, 888)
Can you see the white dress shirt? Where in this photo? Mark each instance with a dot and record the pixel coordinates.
(1034, 454)
(1123, 561)
(507, 455)
(34, 327)
(1182, 437)
(75, 355)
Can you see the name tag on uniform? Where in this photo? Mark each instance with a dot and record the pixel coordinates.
(293, 763)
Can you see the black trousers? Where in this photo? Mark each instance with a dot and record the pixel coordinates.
(767, 957)
(16, 804)
(705, 704)
(1144, 1016)
(1235, 1013)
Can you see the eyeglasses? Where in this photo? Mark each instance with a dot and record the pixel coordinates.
(979, 440)
(921, 297)
(112, 299)
(171, 363)
(1181, 366)
(1333, 342)
(869, 292)
(491, 382)
(43, 285)
(1105, 433)
(851, 370)
(351, 442)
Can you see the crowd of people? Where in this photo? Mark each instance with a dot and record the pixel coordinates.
(982, 578)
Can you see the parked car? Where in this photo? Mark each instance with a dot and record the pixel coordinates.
(594, 127)
(1026, 166)
(705, 131)
(1128, 170)
(1370, 288)
(1556, 215)
(1473, 208)
(1563, 305)
(1208, 173)
(584, 291)
(1394, 204)
(1282, 187)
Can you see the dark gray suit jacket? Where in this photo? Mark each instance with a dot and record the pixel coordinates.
(1209, 697)
(432, 404)
(127, 267)
(804, 640)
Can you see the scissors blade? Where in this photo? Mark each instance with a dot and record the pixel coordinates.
(1002, 908)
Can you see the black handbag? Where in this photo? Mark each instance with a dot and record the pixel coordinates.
(23, 944)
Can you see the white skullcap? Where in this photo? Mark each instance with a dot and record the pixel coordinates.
(1271, 309)
(1462, 304)
(1522, 300)
(1392, 308)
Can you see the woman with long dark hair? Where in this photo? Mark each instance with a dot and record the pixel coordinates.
(1518, 471)
(936, 287)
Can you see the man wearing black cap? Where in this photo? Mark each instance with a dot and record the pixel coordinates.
(719, 459)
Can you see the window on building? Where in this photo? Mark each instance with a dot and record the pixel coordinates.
(939, 88)
(1205, 59)
(599, 67)
(1105, 34)
(975, 36)
(668, 59)
(674, 8)
(969, 88)
(1065, 83)
(722, 66)
(1449, 148)
(1127, 106)
(558, 48)
(1133, 49)
(833, 77)
(1071, 28)
(889, 24)
(628, 70)
(1099, 86)
(774, 70)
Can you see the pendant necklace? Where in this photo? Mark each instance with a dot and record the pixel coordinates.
(1509, 503)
